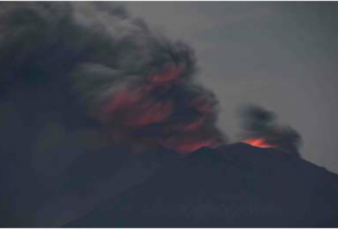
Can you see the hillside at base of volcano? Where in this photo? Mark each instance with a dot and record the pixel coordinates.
(234, 185)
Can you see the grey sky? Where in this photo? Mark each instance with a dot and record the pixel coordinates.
(280, 55)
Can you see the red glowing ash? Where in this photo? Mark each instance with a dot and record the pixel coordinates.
(163, 110)
(259, 142)
(172, 75)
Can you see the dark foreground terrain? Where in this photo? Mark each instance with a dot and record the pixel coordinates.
(233, 186)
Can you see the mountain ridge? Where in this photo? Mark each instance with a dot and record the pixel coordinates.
(231, 186)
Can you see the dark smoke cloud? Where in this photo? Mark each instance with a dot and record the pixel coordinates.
(261, 123)
(137, 83)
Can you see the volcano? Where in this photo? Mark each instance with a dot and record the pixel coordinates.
(235, 185)
(104, 124)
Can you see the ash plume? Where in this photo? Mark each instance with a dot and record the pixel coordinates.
(261, 123)
(137, 84)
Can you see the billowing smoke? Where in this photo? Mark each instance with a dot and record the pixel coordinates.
(261, 125)
(138, 84)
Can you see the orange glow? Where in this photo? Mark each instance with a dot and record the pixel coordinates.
(259, 142)
(172, 75)
(139, 116)
(186, 145)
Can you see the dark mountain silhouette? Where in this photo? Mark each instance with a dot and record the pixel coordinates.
(232, 186)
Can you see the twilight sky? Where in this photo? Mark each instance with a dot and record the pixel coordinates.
(280, 55)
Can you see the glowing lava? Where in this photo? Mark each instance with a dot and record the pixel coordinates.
(259, 142)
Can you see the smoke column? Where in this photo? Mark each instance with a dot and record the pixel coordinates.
(261, 125)
(137, 84)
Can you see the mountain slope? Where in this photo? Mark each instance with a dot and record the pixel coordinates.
(232, 186)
